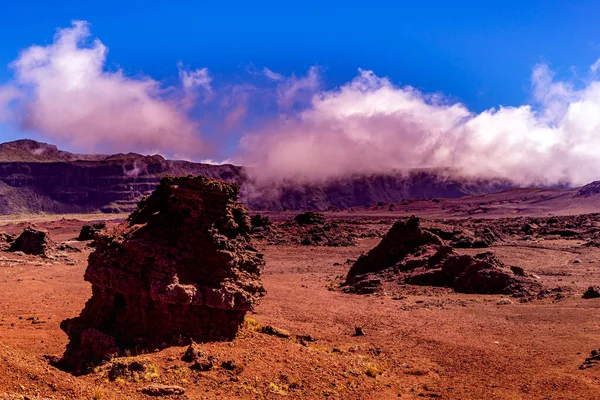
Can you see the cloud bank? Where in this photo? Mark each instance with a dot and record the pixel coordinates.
(370, 125)
(63, 91)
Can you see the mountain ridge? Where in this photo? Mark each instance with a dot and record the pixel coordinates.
(38, 177)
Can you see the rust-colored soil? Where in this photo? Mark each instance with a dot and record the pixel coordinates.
(419, 342)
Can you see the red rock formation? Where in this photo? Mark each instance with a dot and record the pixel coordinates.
(33, 241)
(409, 254)
(181, 267)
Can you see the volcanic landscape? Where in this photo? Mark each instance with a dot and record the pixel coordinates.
(403, 286)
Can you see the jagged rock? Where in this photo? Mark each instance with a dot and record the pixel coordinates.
(310, 218)
(592, 292)
(412, 255)
(181, 266)
(89, 232)
(33, 241)
(402, 239)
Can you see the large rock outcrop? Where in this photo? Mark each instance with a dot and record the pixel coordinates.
(409, 254)
(181, 267)
(34, 241)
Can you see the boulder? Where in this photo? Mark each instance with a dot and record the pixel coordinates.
(89, 232)
(592, 292)
(181, 267)
(310, 218)
(34, 241)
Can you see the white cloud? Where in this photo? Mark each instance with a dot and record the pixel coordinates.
(65, 92)
(594, 67)
(370, 125)
(192, 79)
(272, 75)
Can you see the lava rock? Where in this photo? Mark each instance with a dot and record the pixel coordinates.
(34, 241)
(310, 218)
(89, 232)
(412, 255)
(181, 266)
(592, 292)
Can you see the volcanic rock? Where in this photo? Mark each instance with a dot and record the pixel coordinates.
(88, 232)
(412, 255)
(592, 292)
(181, 267)
(309, 218)
(401, 240)
(6, 240)
(33, 241)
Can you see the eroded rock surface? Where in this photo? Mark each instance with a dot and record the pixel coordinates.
(409, 254)
(181, 267)
(33, 241)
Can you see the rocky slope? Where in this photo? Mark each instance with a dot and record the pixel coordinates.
(37, 177)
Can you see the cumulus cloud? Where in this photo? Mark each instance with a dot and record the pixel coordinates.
(64, 91)
(370, 125)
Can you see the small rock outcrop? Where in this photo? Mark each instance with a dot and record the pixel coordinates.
(32, 240)
(310, 218)
(89, 232)
(409, 254)
(593, 292)
(181, 267)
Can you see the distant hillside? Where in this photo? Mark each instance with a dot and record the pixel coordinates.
(38, 177)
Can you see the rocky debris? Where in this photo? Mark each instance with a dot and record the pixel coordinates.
(232, 366)
(199, 359)
(274, 331)
(260, 221)
(131, 369)
(592, 292)
(34, 241)
(6, 240)
(181, 266)
(592, 360)
(310, 218)
(89, 232)
(162, 390)
(332, 233)
(409, 254)
(469, 236)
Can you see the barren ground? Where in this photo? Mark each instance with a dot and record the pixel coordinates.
(419, 342)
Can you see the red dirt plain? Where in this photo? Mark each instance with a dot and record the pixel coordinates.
(419, 342)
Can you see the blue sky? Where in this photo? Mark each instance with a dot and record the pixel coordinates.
(479, 54)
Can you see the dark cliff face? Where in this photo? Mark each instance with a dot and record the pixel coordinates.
(37, 177)
(112, 185)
